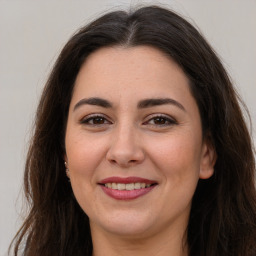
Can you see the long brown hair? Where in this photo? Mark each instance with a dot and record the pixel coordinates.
(223, 214)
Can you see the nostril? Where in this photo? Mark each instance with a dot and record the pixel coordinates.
(125, 156)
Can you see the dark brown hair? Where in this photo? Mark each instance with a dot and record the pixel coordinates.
(223, 214)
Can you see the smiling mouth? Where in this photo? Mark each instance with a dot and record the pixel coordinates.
(127, 188)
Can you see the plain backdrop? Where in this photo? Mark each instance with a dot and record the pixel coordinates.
(32, 34)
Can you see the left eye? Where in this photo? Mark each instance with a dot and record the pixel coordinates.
(161, 121)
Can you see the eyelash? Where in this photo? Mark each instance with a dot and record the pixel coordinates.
(168, 121)
(94, 117)
(160, 117)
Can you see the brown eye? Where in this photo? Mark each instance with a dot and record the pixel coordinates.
(160, 120)
(98, 120)
(95, 120)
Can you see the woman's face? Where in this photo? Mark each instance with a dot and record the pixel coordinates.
(134, 142)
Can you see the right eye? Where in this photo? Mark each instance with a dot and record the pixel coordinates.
(95, 120)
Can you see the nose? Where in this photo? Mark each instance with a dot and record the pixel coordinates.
(125, 148)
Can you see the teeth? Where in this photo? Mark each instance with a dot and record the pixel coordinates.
(120, 186)
(129, 186)
(137, 185)
(114, 186)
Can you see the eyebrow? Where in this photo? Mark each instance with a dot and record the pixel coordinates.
(146, 103)
(93, 101)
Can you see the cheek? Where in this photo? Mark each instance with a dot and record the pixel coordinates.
(83, 157)
(178, 158)
(84, 154)
(177, 161)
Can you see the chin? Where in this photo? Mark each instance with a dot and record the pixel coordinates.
(127, 225)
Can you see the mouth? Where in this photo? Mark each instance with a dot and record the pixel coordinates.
(127, 188)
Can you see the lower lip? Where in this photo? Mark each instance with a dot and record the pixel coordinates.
(126, 194)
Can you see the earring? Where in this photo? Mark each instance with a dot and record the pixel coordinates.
(67, 170)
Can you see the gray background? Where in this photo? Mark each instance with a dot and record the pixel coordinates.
(31, 36)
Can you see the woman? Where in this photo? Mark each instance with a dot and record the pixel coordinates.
(140, 147)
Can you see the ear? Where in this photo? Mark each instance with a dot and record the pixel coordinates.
(208, 160)
(65, 158)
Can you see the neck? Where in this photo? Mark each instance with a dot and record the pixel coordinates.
(164, 243)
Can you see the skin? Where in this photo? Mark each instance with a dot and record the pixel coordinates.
(130, 141)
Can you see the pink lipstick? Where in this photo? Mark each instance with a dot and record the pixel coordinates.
(126, 188)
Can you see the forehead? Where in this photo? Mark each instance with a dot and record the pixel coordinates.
(130, 73)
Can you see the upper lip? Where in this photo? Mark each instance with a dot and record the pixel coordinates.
(126, 180)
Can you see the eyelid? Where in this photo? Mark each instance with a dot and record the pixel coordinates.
(94, 115)
(107, 120)
(171, 120)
